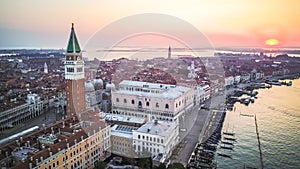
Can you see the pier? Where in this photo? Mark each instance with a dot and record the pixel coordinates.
(259, 145)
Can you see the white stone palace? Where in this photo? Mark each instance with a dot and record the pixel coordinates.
(152, 101)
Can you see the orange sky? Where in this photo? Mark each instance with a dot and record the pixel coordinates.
(46, 24)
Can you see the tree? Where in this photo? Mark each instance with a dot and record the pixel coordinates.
(144, 163)
(100, 165)
(176, 166)
(161, 166)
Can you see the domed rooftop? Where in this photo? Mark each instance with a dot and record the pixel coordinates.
(89, 87)
(98, 84)
(110, 87)
(113, 87)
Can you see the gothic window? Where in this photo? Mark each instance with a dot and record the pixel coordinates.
(167, 106)
(132, 101)
(70, 69)
(157, 105)
(147, 104)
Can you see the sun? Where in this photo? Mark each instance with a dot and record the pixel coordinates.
(272, 42)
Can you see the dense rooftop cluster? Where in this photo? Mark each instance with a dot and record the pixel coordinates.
(153, 75)
(60, 129)
(18, 77)
(267, 65)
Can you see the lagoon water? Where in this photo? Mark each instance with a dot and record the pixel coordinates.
(278, 117)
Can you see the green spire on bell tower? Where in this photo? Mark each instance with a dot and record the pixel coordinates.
(73, 45)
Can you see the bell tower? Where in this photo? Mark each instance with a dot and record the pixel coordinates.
(74, 75)
(169, 53)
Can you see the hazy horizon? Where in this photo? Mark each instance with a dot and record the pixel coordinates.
(46, 24)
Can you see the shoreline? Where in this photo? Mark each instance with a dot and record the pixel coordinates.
(243, 86)
(214, 120)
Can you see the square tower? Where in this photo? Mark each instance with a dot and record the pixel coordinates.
(74, 75)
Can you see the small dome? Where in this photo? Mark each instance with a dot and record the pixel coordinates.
(98, 84)
(89, 87)
(108, 87)
(113, 87)
(98, 81)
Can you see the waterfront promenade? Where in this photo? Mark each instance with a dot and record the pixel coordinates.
(205, 121)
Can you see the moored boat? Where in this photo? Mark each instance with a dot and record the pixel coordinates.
(229, 133)
(229, 138)
(226, 147)
(228, 143)
(224, 155)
